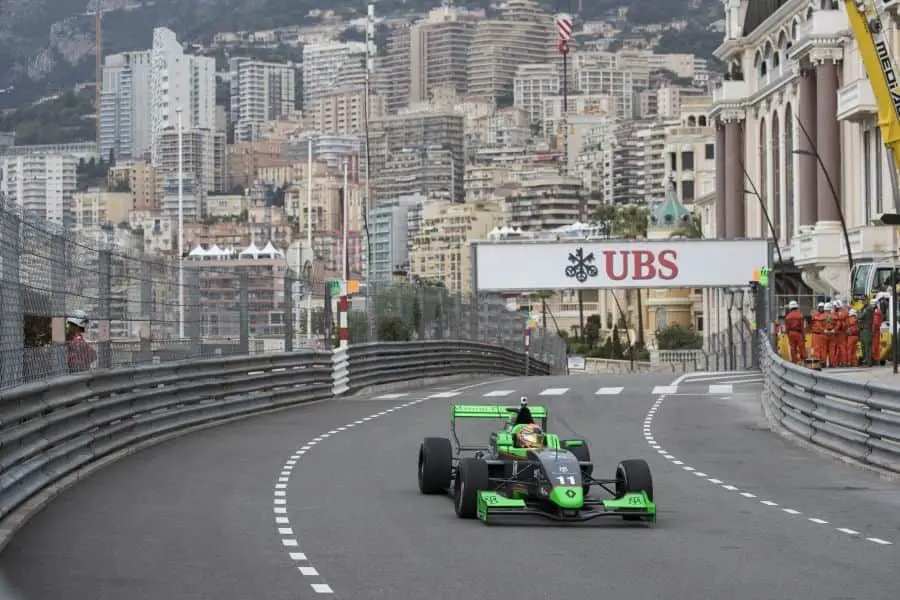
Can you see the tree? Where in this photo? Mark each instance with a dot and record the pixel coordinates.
(692, 229)
(678, 337)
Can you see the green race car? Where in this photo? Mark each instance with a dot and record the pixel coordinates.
(524, 471)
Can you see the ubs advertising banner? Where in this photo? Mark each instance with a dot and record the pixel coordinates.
(594, 264)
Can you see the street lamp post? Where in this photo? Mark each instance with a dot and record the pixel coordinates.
(893, 219)
(180, 228)
(309, 222)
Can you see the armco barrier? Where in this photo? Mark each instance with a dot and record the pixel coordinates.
(52, 429)
(851, 418)
(386, 363)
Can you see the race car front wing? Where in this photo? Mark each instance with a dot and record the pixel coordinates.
(495, 508)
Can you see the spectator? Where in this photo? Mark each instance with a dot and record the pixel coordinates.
(80, 354)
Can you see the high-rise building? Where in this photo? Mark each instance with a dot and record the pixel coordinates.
(41, 186)
(260, 92)
(532, 84)
(331, 66)
(429, 129)
(439, 51)
(179, 81)
(525, 34)
(125, 99)
(393, 73)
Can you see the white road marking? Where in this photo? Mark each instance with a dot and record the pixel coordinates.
(554, 392)
(720, 388)
(609, 391)
(280, 501)
(392, 396)
(496, 393)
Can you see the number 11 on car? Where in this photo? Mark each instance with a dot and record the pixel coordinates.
(566, 479)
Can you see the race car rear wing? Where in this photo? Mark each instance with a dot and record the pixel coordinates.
(492, 411)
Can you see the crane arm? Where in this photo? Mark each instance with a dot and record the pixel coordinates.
(868, 29)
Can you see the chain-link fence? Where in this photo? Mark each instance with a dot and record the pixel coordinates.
(139, 307)
(142, 307)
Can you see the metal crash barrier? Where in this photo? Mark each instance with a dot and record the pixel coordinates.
(53, 428)
(851, 418)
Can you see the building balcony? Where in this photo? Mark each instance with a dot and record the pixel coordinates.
(871, 242)
(817, 246)
(856, 101)
(731, 92)
(825, 29)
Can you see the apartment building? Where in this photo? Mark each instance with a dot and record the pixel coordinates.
(198, 157)
(690, 152)
(343, 112)
(125, 101)
(532, 84)
(96, 207)
(548, 202)
(439, 52)
(440, 248)
(393, 74)
(190, 201)
(596, 159)
(524, 34)
(42, 186)
(331, 66)
(245, 158)
(389, 231)
(427, 128)
(179, 82)
(618, 84)
(142, 179)
(260, 92)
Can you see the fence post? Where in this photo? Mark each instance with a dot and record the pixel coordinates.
(194, 316)
(104, 285)
(244, 276)
(12, 341)
(58, 308)
(288, 316)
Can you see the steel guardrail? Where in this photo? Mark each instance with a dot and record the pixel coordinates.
(54, 428)
(855, 419)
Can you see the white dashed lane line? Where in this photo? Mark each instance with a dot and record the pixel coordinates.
(648, 436)
(282, 522)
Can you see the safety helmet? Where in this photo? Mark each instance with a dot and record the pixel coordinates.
(78, 318)
(828, 306)
(852, 312)
(531, 436)
(821, 306)
(793, 304)
(837, 304)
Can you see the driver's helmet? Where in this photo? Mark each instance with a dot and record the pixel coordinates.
(531, 436)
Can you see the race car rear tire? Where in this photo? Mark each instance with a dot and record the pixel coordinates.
(435, 465)
(471, 478)
(583, 454)
(633, 475)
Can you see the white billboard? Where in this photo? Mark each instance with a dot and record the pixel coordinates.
(598, 264)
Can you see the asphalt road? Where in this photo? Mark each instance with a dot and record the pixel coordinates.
(196, 517)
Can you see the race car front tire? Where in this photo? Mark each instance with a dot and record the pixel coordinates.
(633, 476)
(472, 478)
(435, 465)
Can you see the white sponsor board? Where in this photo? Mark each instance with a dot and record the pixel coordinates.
(576, 363)
(602, 264)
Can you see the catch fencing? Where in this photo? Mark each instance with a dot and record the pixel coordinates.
(859, 420)
(235, 304)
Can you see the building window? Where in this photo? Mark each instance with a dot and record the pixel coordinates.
(687, 161)
(673, 161)
(699, 323)
(776, 177)
(710, 151)
(687, 192)
(788, 173)
(867, 176)
(761, 151)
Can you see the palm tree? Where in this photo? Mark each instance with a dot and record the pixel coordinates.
(631, 223)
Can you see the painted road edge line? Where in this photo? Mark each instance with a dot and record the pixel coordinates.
(647, 429)
(286, 534)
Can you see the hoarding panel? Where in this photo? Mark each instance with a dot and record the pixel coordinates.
(601, 264)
